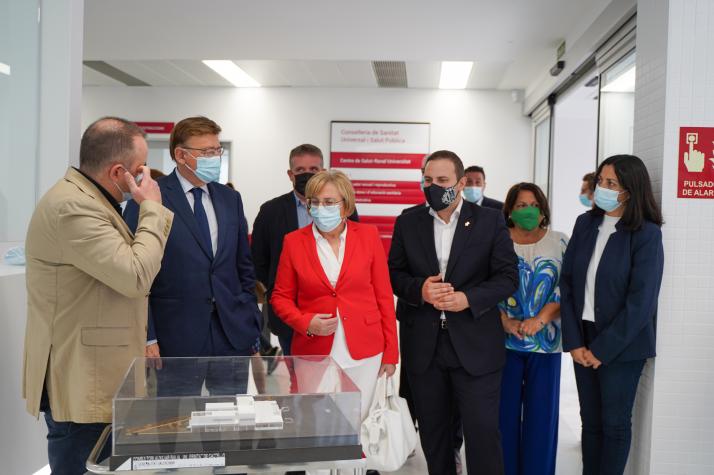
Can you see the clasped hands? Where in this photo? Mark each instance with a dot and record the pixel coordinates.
(585, 357)
(519, 328)
(325, 324)
(442, 295)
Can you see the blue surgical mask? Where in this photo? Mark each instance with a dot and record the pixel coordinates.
(208, 169)
(326, 218)
(473, 194)
(585, 201)
(606, 199)
(15, 256)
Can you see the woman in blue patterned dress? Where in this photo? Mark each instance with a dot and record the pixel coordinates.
(530, 388)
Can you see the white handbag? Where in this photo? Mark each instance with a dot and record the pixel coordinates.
(387, 435)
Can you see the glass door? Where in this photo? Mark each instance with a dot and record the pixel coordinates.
(617, 108)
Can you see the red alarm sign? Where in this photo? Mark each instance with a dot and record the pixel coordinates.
(696, 163)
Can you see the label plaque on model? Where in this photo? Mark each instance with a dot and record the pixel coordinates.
(178, 461)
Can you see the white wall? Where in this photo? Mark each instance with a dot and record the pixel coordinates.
(482, 127)
(675, 73)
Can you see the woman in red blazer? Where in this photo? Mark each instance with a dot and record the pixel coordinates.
(333, 287)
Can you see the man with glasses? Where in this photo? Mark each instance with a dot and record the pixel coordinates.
(203, 301)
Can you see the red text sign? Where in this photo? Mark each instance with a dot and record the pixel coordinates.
(696, 162)
(156, 127)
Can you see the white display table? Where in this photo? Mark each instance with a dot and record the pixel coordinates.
(23, 448)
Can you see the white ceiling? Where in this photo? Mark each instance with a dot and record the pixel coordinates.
(330, 43)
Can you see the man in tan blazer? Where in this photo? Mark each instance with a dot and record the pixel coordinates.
(88, 278)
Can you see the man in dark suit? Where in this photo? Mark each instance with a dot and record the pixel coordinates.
(278, 217)
(453, 262)
(202, 302)
(475, 186)
(404, 389)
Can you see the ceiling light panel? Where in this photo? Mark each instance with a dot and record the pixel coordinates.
(231, 73)
(455, 74)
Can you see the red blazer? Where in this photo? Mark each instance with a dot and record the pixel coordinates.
(363, 294)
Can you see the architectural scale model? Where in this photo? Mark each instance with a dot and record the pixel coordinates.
(245, 414)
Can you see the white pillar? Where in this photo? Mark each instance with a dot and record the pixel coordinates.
(62, 30)
(675, 88)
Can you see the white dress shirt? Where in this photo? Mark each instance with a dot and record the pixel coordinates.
(604, 231)
(444, 237)
(207, 205)
(332, 265)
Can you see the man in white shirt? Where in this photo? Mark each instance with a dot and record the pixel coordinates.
(203, 301)
(451, 264)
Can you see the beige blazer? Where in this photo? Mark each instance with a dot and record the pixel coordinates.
(88, 279)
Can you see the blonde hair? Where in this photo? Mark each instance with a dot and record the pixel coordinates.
(341, 182)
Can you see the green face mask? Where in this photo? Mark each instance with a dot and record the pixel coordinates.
(526, 218)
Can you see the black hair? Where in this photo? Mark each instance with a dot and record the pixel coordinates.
(641, 205)
(512, 197)
(450, 156)
(476, 169)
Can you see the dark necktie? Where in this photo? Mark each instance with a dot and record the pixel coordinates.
(200, 213)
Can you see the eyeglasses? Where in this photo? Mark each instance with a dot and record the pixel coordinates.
(207, 152)
(312, 202)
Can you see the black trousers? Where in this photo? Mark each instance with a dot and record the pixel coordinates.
(438, 393)
(406, 392)
(606, 395)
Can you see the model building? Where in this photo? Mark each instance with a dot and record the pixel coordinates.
(245, 414)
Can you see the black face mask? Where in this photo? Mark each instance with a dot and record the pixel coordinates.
(301, 182)
(439, 197)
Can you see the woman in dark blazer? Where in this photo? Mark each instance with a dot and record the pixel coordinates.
(612, 270)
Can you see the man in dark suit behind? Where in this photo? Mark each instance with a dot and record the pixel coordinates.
(203, 301)
(452, 263)
(475, 187)
(278, 217)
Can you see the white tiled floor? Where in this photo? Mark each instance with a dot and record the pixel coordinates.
(568, 461)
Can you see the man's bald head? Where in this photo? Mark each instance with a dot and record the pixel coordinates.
(107, 141)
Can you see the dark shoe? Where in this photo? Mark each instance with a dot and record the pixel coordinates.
(272, 355)
(372, 472)
(295, 472)
(272, 351)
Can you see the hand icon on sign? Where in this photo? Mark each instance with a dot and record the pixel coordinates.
(694, 159)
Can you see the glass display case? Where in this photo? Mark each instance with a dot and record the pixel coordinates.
(173, 413)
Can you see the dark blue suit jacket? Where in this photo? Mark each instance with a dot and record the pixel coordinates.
(180, 303)
(627, 286)
(482, 264)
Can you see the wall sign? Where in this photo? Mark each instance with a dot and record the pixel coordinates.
(383, 160)
(696, 163)
(156, 127)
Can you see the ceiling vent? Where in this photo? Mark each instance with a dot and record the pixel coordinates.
(390, 73)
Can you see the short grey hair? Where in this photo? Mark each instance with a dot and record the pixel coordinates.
(306, 149)
(106, 141)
